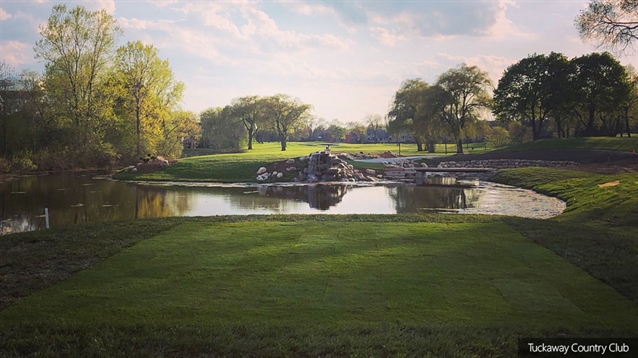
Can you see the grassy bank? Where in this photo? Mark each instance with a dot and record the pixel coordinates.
(395, 285)
(601, 143)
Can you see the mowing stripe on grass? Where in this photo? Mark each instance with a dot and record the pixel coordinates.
(333, 273)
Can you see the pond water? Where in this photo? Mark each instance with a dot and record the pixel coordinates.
(79, 197)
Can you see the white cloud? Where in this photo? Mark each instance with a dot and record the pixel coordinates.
(108, 5)
(386, 37)
(504, 27)
(494, 65)
(134, 23)
(4, 15)
(15, 53)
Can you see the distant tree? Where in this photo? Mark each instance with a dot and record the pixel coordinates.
(600, 86)
(630, 107)
(374, 122)
(356, 132)
(404, 109)
(613, 24)
(221, 131)
(499, 136)
(284, 113)
(531, 90)
(337, 132)
(464, 94)
(8, 100)
(250, 111)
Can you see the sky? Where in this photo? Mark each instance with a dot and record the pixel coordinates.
(345, 58)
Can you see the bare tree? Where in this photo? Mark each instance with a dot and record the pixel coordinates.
(613, 24)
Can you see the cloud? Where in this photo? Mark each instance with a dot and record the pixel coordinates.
(504, 27)
(4, 15)
(242, 24)
(15, 53)
(108, 5)
(386, 37)
(494, 65)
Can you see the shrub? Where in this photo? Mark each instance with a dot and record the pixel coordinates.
(22, 162)
(499, 137)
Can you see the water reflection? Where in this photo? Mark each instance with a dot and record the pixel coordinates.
(83, 197)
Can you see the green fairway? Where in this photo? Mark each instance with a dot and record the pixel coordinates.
(241, 167)
(333, 274)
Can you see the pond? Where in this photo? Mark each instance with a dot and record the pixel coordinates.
(78, 197)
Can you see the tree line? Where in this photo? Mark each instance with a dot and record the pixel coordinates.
(279, 118)
(550, 95)
(96, 104)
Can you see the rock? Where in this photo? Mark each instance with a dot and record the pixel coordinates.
(291, 169)
(261, 170)
(274, 173)
(371, 172)
(290, 161)
(134, 170)
(280, 175)
(163, 163)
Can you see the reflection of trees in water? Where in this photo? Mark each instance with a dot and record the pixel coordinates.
(410, 199)
(319, 196)
(77, 197)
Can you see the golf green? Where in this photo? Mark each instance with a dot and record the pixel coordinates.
(333, 273)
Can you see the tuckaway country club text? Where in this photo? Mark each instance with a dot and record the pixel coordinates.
(578, 348)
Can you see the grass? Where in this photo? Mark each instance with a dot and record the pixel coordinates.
(333, 274)
(602, 143)
(241, 167)
(310, 287)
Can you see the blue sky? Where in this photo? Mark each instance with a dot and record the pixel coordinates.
(346, 58)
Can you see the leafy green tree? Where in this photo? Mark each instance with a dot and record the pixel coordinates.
(630, 107)
(180, 126)
(76, 46)
(600, 86)
(147, 83)
(531, 90)
(463, 94)
(221, 131)
(284, 113)
(250, 111)
(405, 109)
(499, 136)
(8, 101)
(611, 23)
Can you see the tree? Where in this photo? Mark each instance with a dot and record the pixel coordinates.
(463, 94)
(630, 106)
(221, 131)
(374, 122)
(405, 109)
(531, 90)
(77, 45)
(611, 23)
(147, 83)
(356, 132)
(8, 82)
(600, 86)
(181, 125)
(249, 110)
(284, 113)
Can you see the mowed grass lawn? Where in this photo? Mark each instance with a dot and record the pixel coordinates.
(241, 167)
(333, 274)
